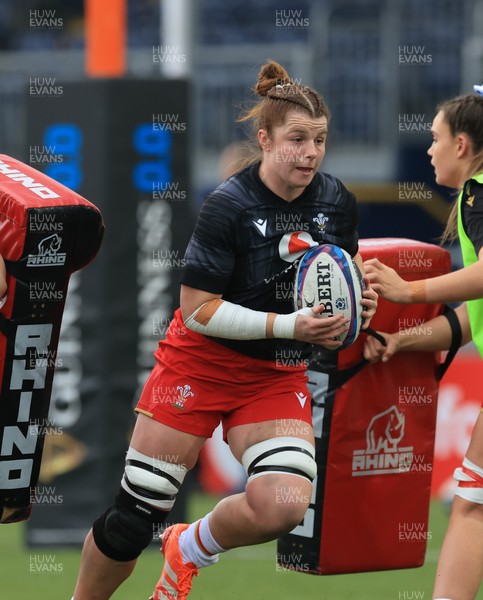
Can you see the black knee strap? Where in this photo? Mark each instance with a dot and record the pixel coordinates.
(124, 531)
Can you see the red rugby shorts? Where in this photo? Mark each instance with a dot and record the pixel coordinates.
(197, 382)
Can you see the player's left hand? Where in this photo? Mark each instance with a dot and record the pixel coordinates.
(369, 302)
(387, 282)
(374, 351)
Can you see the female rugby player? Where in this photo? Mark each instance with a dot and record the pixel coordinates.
(236, 352)
(457, 157)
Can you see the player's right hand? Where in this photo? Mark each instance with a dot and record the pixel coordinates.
(386, 281)
(374, 351)
(320, 331)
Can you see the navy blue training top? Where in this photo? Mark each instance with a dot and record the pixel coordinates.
(247, 241)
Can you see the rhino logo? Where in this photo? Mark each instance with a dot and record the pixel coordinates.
(383, 454)
(385, 431)
(48, 253)
(49, 246)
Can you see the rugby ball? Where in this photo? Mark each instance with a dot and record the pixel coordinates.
(328, 275)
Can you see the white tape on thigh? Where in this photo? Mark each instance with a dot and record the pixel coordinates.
(470, 482)
(153, 481)
(289, 455)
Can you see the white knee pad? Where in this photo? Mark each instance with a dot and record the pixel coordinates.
(470, 481)
(153, 481)
(280, 455)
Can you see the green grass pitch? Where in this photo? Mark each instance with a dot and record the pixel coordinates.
(242, 574)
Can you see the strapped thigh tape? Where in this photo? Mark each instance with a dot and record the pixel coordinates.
(148, 491)
(470, 481)
(280, 455)
(151, 480)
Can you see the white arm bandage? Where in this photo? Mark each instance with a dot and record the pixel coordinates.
(224, 319)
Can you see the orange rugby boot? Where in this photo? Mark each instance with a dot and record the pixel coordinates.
(175, 580)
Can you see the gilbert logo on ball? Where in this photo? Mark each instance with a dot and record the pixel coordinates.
(328, 275)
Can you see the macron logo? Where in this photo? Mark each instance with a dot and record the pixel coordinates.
(302, 398)
(261, 225)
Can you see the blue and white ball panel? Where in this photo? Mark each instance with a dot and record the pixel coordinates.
(328, 275)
